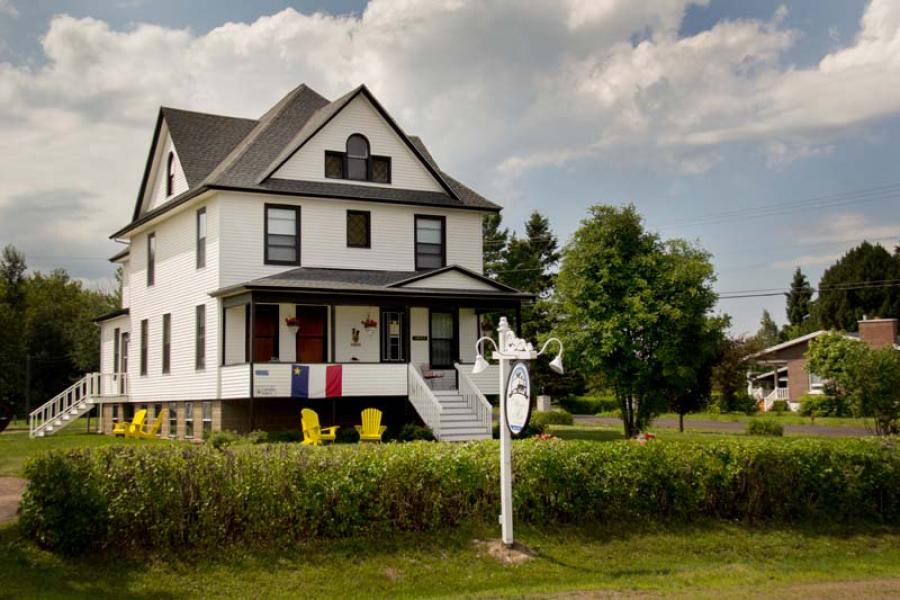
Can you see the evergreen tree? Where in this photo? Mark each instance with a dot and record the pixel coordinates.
(494, 239)
(799, 299)
(864, 282)
(12, 277)
(767, 334)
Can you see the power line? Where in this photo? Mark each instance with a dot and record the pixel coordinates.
(858, 285)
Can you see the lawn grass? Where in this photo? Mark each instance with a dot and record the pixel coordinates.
(784, 418)
(701, 560)
(16, 447)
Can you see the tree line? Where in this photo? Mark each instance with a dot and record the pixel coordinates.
(47, 335)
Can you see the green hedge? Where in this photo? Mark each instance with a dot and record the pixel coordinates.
(589, 405)
(765, 427)
(551, 417)
(171, 497)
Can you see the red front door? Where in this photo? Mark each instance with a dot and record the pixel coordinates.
(311, 344)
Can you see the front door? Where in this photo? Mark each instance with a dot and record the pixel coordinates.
(311, 339)
(265, 334)
(443, 337)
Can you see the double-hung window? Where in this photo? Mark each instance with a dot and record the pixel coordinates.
(282, 231)
(430, 240)
(173, 420)
(151, 259)
(207, 417)
(167, 343)
(200, 333)
(188, 420)
(201, 238)
(144, 338)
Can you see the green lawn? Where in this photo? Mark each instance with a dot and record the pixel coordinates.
(783, 418)
(16, 447)
(712, 560)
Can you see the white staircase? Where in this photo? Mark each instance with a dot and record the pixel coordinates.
(456, 415)
(74, 401)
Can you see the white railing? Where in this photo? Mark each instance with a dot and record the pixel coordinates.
(475, 400)
(75, 400)
(423, 400)
(779, 393)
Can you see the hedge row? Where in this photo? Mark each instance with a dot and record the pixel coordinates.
(159, 497)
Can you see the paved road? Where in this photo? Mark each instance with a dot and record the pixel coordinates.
(11, 489)
(729, 426)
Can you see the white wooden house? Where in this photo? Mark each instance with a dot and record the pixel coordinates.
(264, 253)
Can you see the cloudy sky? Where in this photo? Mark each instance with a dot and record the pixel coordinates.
(767, 131)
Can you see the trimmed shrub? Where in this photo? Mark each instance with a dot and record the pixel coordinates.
(589, 405)
(551, 417)
(222, 439)
(825, 405)
(412, 433)
(780, 406)
(764, 427)
(174, 497)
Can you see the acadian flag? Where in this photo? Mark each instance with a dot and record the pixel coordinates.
(316, 381)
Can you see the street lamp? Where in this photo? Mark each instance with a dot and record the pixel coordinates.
(508, 348)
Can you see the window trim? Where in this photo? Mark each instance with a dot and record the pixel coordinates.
(339, 155)
(189, 419)
(172, 416)
(390, 169)
(367, 159)
(368, 215)
(443, 221)
(166, 339)
(296, 208)
(199, 340)
(170, 173)
(200, 242)
(370, 158)
(151, 259)
(206, 422)
(145, 335)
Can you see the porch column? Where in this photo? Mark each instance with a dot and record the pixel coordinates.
(251, 345)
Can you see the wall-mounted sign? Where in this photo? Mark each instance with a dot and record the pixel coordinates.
(518, 398)
(420, 338)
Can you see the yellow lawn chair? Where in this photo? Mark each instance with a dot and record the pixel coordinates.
(154, 429)
(126, 429)
(371, 429)
(313, 433)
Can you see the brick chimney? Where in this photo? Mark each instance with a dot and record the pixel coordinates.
(878, 333)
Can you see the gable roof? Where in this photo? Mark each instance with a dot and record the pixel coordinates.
(228, 153)
(419, 277)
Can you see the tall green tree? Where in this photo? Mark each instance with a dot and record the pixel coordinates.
(864, 282)
(729, 374)
(631, 307)
(799, 300)
(494, 243)
(767, 334)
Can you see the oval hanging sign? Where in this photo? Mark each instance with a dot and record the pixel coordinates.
(518, 398)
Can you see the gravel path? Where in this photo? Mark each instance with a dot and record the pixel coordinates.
(11, 489)
(728, 426)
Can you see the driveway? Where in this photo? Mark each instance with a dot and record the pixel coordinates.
(11, 489)
(691, 424)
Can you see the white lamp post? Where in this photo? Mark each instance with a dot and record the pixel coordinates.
(510, 348)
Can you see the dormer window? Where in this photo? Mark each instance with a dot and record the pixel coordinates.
(357, 162)
(170, 174)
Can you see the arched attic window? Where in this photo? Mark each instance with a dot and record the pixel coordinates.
(357, 157)
(170, 173)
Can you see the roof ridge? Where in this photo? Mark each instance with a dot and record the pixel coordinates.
(205, 114)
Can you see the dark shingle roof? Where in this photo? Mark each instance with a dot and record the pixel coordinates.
(218, 152)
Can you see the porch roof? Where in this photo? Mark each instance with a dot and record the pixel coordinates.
(372, 282)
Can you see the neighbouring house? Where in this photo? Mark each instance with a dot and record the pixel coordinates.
(315, 257)
(789, 380)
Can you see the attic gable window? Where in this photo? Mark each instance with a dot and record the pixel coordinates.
(357, 162)
(170, 173)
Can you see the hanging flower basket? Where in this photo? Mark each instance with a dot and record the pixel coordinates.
(293, 325)
(369, 324)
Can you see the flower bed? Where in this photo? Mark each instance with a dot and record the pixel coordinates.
(161, 497)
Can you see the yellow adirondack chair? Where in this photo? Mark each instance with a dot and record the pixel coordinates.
(154, 429)
(313, 433)
(126, 429)
(371, 429)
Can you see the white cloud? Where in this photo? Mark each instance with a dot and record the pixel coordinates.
(7, 8)
(496, 88)
(851, 227)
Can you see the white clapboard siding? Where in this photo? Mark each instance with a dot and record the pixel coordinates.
(418, 328)
(179, 288)
(107, 342)
(367, 348)
(359, 116)
(235, 381)
(235, 334)
(156, 190)
(324, 236)
(468, 333)
(126, 297)
(488, 380)
(274, 379)
(451, 280)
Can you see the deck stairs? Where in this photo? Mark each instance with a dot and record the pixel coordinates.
(73, 402)
(460, 414)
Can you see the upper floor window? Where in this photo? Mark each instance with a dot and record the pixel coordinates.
(167, 343)
(282, 235)
(151, 258)
(201, 238)
(430, 240)
(357, 162)
(170, 173)
(359, 229)
(144, 338)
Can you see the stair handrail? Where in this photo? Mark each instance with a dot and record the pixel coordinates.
(468, 389)
(423, 400)
(90, 386)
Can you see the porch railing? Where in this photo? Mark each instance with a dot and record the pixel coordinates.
(424, 400)
(779, 393)
(74, 401)
(475, 400)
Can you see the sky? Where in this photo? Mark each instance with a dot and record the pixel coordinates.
(765, 131)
